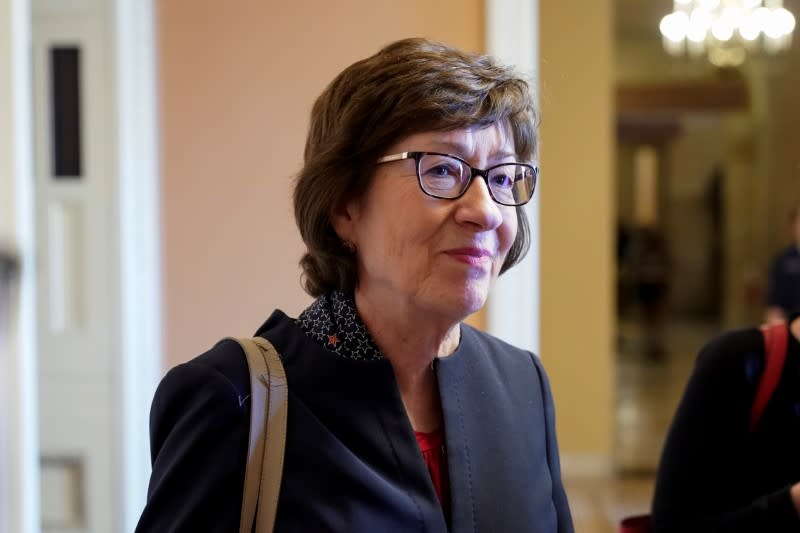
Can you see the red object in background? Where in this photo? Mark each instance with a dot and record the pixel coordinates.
(635, 524)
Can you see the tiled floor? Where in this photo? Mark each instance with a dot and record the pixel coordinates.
(647, 393)
(598, 505)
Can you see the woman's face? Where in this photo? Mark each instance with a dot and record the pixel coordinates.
(429, 254)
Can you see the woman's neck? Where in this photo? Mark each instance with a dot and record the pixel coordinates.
(411, 340)
(405, 333)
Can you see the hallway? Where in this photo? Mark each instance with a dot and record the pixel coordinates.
(646, 397)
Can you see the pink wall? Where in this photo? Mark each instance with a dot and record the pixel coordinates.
(236, 87)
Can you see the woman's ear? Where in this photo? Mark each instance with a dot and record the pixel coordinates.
(344, 219)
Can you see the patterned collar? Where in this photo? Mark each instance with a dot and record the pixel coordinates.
(333, 322)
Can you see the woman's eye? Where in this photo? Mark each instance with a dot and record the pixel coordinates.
(441, 178)
(503, 180)
(443, 171)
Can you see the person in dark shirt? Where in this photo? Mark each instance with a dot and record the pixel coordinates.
(783, 290)
(716, 475)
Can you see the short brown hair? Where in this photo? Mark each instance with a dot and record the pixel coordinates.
(410, 86)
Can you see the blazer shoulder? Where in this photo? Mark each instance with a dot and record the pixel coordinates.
(228, 359)
(222, 370)
(199, 426)
(731, 351)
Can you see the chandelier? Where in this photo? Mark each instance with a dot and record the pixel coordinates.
(726, 30)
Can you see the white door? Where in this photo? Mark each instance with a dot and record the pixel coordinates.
(95, 380)
(77, 276)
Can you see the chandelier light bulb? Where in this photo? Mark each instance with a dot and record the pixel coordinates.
(722, 30)
(775, 25)
(699, 24)
(674, 26)
(726, 31)
(750, 29)
(785, 20)
(761, 17)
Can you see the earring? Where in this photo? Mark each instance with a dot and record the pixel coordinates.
(349, 246)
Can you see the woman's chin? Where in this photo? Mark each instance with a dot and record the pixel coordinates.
(471, 300)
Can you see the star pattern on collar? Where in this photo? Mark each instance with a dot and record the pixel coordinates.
(332, 321)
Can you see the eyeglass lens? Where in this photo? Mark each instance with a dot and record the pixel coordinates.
(446, 177)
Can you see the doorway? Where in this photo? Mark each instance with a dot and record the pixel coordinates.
(701, 199)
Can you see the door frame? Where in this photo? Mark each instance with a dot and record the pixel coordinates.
(140, 244)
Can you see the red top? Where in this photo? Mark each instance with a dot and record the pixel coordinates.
(432, 447)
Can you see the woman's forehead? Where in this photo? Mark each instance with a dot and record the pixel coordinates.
(494, 140)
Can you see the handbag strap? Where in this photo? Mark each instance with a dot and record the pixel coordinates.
(268, 412)
(776, 339)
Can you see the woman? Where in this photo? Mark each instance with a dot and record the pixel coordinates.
(716, 473)
(400, 417)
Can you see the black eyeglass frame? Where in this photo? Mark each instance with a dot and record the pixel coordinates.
(484, 173)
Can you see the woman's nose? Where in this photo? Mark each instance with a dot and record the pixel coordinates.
(477, 207)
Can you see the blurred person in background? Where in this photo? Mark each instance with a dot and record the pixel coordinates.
(651, 270)
(417, 165)
(725, 469)
(783, 285)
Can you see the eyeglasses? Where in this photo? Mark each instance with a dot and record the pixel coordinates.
(448, 177)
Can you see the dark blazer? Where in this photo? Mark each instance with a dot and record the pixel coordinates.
(352, 462)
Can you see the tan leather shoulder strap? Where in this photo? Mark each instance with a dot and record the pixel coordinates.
(268, 412)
